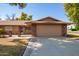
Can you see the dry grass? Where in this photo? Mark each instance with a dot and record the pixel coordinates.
(10, 47)
(73, 33)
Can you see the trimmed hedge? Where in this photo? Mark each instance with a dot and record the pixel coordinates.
(73, 29)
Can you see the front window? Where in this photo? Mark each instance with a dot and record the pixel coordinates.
(8, 28)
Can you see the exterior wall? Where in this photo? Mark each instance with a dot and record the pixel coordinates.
(43, 30)
(64, 30)
(15, 30)
(49, 30)
(33, 29)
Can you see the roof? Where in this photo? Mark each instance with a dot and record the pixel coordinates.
(53, 21)
(41, 21)
(14, 22)
(46, 22)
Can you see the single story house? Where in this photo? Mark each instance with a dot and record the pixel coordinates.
(47, 26)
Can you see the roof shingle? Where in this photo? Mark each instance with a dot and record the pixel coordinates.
(14, 22)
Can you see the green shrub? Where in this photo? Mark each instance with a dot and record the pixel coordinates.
(73, 29)
(27, 31)
(2, 33)
(1, 30)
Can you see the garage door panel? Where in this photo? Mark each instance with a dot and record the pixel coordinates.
(48, 30)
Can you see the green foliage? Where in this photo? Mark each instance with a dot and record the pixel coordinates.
(27, 31)
(72, 11)
(20, 5)
(73, 29)
(1, 30)
(24, 16)
(77, 27)
(29, 17)
(2, 33)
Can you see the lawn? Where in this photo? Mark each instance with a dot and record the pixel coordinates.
(73, 33)
(12, 47)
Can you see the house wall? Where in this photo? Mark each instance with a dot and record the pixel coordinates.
(15, 30)
(49, 30)
(33, 29)
(64, 30)
(43, 29)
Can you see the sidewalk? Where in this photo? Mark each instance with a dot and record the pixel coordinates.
(21, 37)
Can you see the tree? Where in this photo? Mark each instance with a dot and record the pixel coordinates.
(29, 17)
(72, 11)
(24, 16)
(20, 5)
(10, 17)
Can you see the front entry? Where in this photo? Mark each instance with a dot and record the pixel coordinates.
(12, 30)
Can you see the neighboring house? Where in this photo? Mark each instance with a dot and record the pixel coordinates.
(71, 26)
(44, 27)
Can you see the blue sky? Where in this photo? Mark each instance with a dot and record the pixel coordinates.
(38, 10)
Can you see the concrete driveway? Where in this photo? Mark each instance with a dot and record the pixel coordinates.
(56, 47)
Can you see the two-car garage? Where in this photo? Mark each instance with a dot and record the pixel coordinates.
(49, 27)
(49, 30)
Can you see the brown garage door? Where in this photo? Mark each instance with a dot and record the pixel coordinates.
(49, 30)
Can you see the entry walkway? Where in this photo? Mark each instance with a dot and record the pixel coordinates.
(21, 37)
